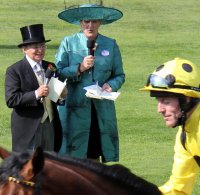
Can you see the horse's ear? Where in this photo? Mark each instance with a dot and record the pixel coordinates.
(38, 160)
(4, 153)
(34, 165)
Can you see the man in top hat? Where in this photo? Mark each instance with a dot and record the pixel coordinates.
(87, 58)
(34, 119)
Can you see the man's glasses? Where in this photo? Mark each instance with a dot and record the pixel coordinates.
(37, 46)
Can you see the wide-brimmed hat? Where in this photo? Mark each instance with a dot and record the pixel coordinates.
(32, 34)
(106, 15)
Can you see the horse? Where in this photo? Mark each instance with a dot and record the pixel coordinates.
(40, 172)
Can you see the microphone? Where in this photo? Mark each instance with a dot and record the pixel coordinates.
(48, 74)
(90, 46)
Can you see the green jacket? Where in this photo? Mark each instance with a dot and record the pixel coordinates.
(76, 115)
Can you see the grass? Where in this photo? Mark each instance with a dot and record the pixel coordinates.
(150, 33)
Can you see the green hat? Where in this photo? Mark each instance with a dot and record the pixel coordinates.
(106, 15)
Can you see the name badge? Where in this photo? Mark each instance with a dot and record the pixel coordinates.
(105, 53)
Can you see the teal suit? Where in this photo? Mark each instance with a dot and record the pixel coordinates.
(76, 114)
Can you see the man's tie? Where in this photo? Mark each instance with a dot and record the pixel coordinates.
(39, 71)
(48, 109)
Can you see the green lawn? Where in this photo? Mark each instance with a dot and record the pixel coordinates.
(150, 33)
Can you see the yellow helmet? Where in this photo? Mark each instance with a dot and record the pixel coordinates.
(178, 76)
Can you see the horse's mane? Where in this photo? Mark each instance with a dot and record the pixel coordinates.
(12, 165)
(117, 173)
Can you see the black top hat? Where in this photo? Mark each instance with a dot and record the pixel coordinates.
(32, 34)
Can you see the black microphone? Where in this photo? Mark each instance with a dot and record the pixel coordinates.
(48, 74)
(90, 46)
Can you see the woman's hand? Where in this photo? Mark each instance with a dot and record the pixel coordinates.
(106, 87)
(88, 62)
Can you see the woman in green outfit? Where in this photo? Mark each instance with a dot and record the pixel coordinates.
(90, 125)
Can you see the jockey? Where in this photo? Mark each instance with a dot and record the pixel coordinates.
(176, 86)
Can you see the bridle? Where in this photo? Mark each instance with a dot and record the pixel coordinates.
(36, 186)
(23, 182)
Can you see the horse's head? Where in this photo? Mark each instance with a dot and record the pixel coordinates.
(19, 171)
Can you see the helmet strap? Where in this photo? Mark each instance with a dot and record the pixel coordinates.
(183, 133)
(185, 107)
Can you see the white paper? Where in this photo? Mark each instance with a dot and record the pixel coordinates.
(95, 91)
(55, 89)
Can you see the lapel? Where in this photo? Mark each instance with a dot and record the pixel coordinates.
(29, 73)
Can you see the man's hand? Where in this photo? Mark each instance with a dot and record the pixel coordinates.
(42, 91)
(64, 93)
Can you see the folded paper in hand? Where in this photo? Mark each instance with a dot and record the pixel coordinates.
(95, 91)
(55, 88)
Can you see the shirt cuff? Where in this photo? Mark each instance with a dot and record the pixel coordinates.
(36, 95)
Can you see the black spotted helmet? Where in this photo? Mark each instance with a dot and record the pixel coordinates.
(177, 76)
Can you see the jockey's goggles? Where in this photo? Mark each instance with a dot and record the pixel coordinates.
(167, 82)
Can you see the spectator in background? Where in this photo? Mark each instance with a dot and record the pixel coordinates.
(33, 122)
(90, 125)
(176, 86)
